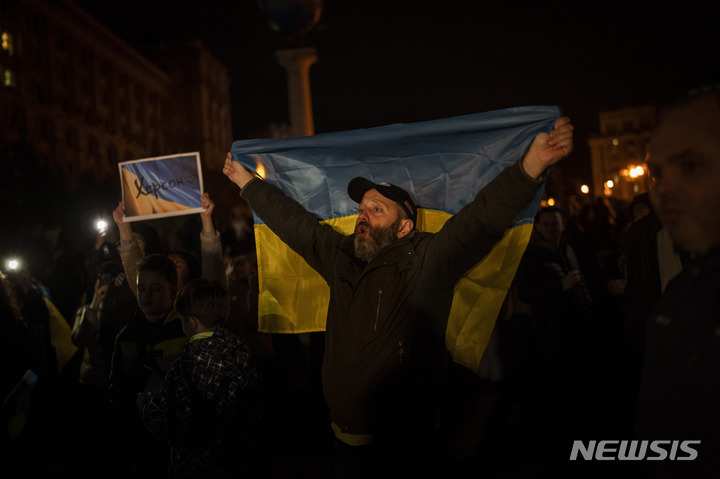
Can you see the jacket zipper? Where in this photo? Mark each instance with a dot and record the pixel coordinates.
(401, 351)
(377, 311)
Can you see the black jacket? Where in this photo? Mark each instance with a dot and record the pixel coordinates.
(385, 331)
(539, 283)
(680, 384)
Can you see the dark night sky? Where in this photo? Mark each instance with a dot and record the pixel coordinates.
(383, 62)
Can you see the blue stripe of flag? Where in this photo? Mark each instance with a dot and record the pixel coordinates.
(441, 163)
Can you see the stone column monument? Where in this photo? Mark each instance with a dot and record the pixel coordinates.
(293, 20)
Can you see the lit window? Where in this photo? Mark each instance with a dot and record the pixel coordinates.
(8, 78)
(6, 42)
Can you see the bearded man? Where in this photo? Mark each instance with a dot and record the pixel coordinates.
(391, 289)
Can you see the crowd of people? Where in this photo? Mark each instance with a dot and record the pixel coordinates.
(76, 411)
(112, 354)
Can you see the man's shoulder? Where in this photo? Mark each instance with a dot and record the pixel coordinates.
(224, 339)
(419, 237)
(223, 347)
(219, 337)
(537, 246)
(172, 319)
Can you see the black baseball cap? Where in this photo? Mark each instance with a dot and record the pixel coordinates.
(359, 186)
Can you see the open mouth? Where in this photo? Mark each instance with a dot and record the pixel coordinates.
(361, 229)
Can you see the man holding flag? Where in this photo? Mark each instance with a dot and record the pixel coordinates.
(391, 290)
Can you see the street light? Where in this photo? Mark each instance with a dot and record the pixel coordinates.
(632, 172)
(609, 184)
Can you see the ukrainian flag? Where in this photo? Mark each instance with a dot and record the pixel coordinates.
(167, 185)
(441, 163)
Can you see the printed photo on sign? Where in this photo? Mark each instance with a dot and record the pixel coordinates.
(161, 186)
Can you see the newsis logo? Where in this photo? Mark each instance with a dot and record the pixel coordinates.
(624, 450)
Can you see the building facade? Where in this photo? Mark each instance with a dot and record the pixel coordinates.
(84, 100)
(618, 153)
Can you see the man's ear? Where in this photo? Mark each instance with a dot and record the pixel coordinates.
(406, 226)
(192, 322)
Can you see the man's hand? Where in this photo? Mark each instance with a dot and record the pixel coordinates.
(100, 239)
(119, 214)
(571, 279)
(549, 148)
(124, 228)
(208, 206)
(99, 296)
(236, 172)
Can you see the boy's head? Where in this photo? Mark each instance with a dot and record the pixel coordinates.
(187, 264)
(202, 305)
(147, 238)
(549, 224)
(156, 286)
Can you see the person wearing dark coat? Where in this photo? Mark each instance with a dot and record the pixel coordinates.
(680, 382)
(390, 294)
